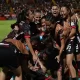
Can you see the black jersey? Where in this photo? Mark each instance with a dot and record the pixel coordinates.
(40, 42)
(27, 30)
(9, 56)
(58, 18)
(34, 28)
(24, 31)
(77, 40)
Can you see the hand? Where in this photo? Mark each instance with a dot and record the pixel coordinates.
(34, 68)
(58, 58)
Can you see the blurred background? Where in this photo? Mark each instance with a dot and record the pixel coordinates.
(9, 9)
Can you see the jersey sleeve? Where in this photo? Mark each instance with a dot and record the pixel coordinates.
(26, 30)
(73, 25)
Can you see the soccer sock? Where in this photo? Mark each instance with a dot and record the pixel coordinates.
(78, 66)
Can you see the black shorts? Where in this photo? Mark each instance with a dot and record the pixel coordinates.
(8, 56)
(70, 46)
(77, 47)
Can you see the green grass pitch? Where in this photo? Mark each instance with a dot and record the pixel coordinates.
(5, 28)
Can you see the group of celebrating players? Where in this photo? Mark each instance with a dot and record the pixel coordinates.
(41, 42)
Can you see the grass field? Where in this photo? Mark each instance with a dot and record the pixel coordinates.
(5, 28)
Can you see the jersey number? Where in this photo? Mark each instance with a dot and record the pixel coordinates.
(69, 47)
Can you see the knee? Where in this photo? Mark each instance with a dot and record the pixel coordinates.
(69, 63)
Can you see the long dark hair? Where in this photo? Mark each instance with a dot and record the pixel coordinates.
(22, 15)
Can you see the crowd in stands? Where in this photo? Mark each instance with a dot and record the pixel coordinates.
(9, 11)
